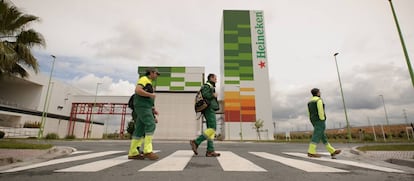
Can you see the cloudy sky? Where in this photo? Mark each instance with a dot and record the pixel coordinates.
(105, 40)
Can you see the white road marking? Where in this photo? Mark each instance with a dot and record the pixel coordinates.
(348, 162)
(174, 162)
(79, 152)
(299, 164)
(232, 162)
(97, 166)
(62, 160)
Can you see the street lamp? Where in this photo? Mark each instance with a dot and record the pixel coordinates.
(407, 59)
(44, 113)
(94, 105)
(343, 100)
(386, 115)
(240, 113)
(240, 117)
(405, 116)
(51, 93)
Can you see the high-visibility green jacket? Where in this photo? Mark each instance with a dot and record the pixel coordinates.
(142, 101)
(207, 90)
(316, 109)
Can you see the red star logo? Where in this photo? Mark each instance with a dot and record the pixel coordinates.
(262, 64)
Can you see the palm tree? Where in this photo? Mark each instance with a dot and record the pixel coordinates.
(16, 41)
(257, 125)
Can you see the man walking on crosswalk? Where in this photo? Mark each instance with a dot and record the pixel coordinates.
(316, 110)
(144, 112)
(209, 93)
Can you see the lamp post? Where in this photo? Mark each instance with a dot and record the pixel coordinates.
(94, 105)
(50, 95)
(343, 100)
(386, 115)
(373, 129)
(240, 117)
(240, 114)
(228, 127)
(405, 116)
(407, 59)
(44, 113)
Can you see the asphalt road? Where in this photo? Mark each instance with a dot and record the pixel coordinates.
(106, 160)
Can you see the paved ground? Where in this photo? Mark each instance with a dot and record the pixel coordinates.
(24, 156)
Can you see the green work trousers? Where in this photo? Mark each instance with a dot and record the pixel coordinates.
(144, 123)
(319, 132)
(209, 133)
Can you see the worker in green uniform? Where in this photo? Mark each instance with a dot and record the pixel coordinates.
(209, 93)
(144, 114)
(316, 110)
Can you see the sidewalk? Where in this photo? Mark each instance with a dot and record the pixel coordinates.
(404, 158)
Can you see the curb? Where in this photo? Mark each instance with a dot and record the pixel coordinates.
(396, 161)
(57, 151)
(355, 151)
(403, 162)
(52, 153)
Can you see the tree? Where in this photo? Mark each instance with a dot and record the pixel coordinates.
(257, 125)
(16, 41)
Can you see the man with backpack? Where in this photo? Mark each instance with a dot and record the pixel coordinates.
(209, 93)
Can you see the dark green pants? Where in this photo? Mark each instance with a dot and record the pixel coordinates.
(144, 123)
(210, 116)
(319, 132)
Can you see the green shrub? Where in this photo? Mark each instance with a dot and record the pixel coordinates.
(2, 134)
(402, 134)
(30, 124)
(70, 137)
(112, 135)
(131, 127)
(368, 138)
(52, 136)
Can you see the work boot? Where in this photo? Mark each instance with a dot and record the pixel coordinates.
(336, 152)
(212, 154)
(136, 157)
(314, 155)
(194, 146)
(151, 156)
(139, 151)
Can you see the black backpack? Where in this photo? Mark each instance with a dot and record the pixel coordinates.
(131, 102)
(200, 104)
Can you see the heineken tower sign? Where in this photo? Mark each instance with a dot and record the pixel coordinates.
(245, 75)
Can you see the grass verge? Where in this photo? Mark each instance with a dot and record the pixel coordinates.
(390, 147)
(12, 144)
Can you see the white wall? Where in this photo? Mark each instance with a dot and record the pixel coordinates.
(10, 119)
(60, 127)
(177, 119)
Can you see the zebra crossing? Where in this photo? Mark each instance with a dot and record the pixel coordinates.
(299, 164)
(178, 160)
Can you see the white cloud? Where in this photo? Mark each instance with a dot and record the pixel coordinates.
(121, 88)
(361, 88)
(105, 85)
